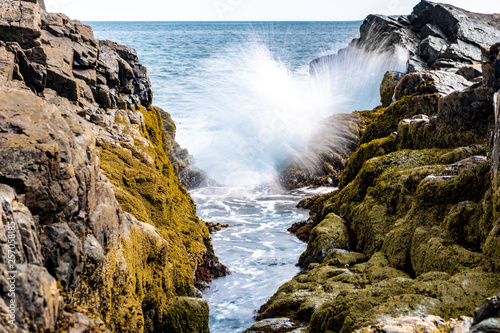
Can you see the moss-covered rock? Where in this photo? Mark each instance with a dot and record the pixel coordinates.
(155, 279)
(329, 234)
(152, 194)
(417, 200)
(188, 315)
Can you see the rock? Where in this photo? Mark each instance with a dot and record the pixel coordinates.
(430, 82)
(430, 49)
(89, 226)
(79, 323)
(189, 315)
(182, 161)
(456, 23)
(379, 32)
(38, 301)
(93, 249)
(215, 227)
(302, 230)
(62, 252)
(387, 87)
(6, 65)
(20, 22)
(328, 235)
(471, 72)
(437, 35)
(458, 109)
(334, 140)
(491, 325)
(490, 309)
(491, 66)
(468, 163)
(417, 324)
(419, 195)
(273, 325)
(12, 211)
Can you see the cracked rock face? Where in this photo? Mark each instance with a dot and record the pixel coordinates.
(107, 239)
(62, 54)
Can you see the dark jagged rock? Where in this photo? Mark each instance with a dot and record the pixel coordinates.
(442, 35)
(490, 309)
(107, 239)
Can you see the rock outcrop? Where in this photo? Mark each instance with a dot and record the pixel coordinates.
(409, 241)
(95, 229)
(438, 37)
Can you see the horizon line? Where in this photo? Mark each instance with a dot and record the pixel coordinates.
(211, 21)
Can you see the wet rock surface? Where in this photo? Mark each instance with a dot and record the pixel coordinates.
(445, 47)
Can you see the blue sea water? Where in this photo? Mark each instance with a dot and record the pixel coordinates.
(244, 102)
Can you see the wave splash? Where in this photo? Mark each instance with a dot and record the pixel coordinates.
(256, 113)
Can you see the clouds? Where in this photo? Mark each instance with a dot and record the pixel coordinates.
(244, 10)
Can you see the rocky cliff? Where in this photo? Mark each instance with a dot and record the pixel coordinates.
(410, 240)
(96, 232)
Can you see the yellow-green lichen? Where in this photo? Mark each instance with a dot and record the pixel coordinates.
(152, 194)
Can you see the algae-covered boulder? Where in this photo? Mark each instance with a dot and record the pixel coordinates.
(330, 234)
(188, 315)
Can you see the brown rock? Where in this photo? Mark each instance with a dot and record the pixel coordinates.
(39, 303)
(20, 22)
(6, 65)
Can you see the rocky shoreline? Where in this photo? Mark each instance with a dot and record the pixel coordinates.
(410, 241)
(106, 237)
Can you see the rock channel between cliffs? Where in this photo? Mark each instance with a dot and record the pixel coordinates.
(107, 238)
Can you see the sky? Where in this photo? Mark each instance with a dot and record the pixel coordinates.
(245, 10)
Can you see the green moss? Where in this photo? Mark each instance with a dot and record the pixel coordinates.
(152, 194)
(426, 239)
(462, 153)
(408, 106)
(328, 235)
(365, 152)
